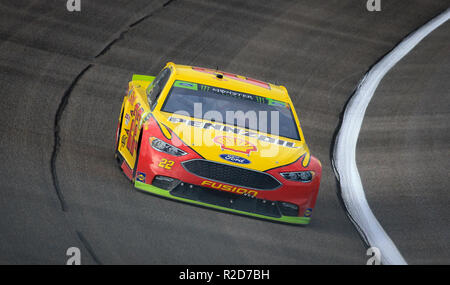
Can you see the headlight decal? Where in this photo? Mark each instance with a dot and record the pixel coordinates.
(301, 176)
(162, 146)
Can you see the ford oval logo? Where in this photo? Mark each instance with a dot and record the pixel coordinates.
(234, 158)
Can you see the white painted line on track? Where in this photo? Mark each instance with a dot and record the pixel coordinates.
(344, 163)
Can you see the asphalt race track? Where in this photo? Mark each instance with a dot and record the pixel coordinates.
(407, 123)
(63, 75)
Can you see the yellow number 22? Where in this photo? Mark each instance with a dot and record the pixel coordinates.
(167, 164)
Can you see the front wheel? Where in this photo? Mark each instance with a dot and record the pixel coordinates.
(137, 155)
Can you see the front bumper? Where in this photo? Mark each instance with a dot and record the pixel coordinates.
(225, 201)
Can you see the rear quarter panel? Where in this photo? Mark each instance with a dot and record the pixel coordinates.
(135, 108)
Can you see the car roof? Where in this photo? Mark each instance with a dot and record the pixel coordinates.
(229, 81)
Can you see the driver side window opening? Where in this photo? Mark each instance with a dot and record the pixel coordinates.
(154, 90)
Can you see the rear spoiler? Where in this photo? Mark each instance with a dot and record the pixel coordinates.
(143, 78)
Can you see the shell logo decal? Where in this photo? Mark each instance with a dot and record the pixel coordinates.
(235, 144)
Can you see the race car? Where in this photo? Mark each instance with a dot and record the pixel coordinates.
(218, 140)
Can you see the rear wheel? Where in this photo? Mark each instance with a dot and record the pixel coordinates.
(119, 127)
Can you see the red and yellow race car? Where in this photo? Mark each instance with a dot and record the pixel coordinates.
(219, 140)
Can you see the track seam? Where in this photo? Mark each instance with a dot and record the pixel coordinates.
(128, 28)
(59, 113)
(62, 106)
(57, 138)
(65, 100)
(88, 247)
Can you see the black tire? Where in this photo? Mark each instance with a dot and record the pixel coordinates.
(137, 154)
(119, 127)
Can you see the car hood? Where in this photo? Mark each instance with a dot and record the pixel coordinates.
(233, 145)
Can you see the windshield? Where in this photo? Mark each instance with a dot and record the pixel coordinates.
(231, 107)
